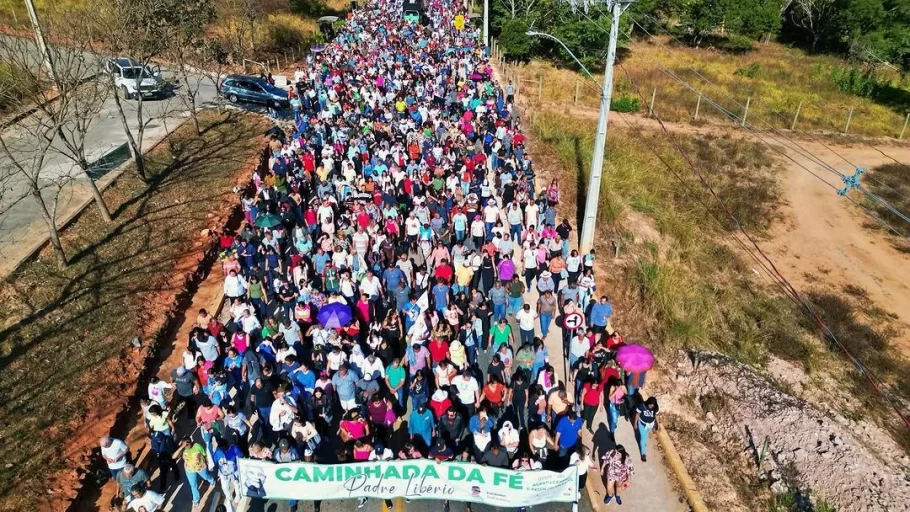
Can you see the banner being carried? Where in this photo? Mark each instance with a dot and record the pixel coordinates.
(412, 479)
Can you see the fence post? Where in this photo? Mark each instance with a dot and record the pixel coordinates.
(539, 88)
(577, 85)
(849, 118)
(796, 117)
(906, 120)
(278, 64)
(697, 106)
(746, 111)
(651, 106)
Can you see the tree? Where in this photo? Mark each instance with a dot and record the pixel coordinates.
(25, 148)
(812, 17)
(514, 40)
(135, 29)
(183, 28)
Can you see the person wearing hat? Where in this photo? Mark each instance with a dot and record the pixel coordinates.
(129, 477)
(545, 282)
(186, 386)
(421, 426)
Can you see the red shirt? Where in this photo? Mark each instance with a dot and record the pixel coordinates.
(438, 351)
(440, 408)
(608, 373)
(591, 396)
(444, 272)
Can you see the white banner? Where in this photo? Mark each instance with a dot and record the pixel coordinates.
(413, 479)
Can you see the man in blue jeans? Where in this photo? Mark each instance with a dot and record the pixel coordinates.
(499, 297)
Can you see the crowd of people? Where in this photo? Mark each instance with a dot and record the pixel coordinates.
(403, 201)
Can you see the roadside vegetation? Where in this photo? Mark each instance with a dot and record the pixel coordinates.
(777, 81)
(65, 334)
(252, 29)
(683, 281)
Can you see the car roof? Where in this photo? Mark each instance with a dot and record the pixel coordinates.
(248, 78)
(124, 62)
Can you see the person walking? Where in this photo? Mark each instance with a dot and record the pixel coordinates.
(195, 466)
(645, 421)
(616, 470)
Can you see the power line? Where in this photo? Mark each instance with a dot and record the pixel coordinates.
(779, 115)
(790, 289)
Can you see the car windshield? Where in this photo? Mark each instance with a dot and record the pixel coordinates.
(135, 72)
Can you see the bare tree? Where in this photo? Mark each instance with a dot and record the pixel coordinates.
(213, 57)
(131, 29)
(812, 15)
(25, 148)
(68, 95)
(183, 29)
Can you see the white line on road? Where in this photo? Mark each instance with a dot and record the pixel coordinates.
(170, 503)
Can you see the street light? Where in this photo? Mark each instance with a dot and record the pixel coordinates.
(617, 7)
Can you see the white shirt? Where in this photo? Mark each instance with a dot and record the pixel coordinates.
(150, 501)
(291, 333)
(526, 319)
(117, 450)
(370, 287)
(250, 324)
(467, 389)
(579, 346)
(371, 368)
(531, 214)
(530, 258)
(234, 286)
(491, 214)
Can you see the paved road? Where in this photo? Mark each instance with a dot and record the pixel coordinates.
(19, 216)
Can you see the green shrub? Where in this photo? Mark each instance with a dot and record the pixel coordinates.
(750, 71)
(625, 104)
(853, 80)
(734, 43)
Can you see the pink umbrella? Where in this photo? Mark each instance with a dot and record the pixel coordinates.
(634, 358)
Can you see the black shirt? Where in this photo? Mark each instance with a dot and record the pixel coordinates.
(264, 396)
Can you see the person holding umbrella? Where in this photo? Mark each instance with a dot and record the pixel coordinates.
(635, 360)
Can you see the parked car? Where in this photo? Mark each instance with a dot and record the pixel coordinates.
(134, 79)
(251, 89)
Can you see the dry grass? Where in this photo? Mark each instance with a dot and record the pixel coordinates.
(63, 333)
(783, 78)
(890, 183)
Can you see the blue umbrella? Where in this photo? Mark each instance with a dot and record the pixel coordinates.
(334, 315)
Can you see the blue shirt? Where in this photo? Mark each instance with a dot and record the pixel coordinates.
(422, 425)
(601, 313)
(441, 296)
(344, 386)
(392, 277)
(568, 431)
(306, 380)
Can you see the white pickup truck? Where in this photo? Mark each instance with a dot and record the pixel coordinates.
(132, 79)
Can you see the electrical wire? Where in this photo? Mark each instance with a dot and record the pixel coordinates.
(771, 268)
(779, 115)
(791, 290)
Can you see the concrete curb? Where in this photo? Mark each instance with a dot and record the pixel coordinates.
(693, 496)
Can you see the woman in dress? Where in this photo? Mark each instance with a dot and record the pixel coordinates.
(616, 470)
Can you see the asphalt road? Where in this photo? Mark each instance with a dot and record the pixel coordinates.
(63, 183)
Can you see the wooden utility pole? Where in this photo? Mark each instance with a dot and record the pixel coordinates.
(796, 117)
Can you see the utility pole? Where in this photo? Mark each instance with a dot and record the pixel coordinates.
(486, 23)
(39, 37)
(597, 161)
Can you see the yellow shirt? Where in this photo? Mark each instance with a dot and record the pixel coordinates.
(400, 105)
(463, 275)
(459, 22)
